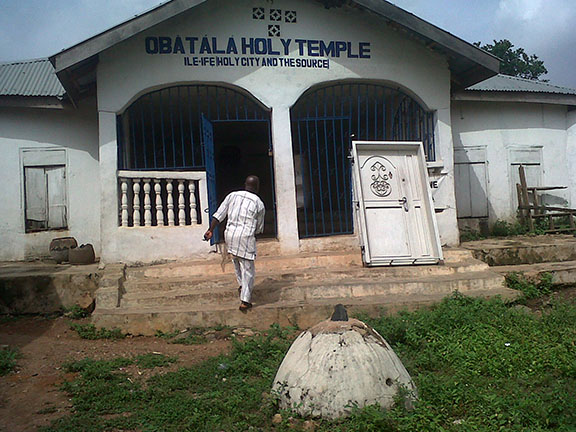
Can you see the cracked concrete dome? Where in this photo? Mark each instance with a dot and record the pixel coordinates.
(338, 365)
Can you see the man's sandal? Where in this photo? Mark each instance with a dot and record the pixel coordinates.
(245, 306)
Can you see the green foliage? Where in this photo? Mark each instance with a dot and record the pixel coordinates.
(223, 393)
(160, 334)
(530, 287)
(471, 235)
(152, 360)
(8, 357)
(515, 62)
(89, 331)
(483, 366)
(479, 366)
(76, 312)
(191, 340)
(506, 229)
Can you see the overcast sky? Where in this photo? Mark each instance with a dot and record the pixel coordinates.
(40, 28)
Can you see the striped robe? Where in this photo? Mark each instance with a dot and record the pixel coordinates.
(245, 213)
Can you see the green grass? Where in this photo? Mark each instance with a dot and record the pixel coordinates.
(531, 288)
(89, 331)
(76, 312)
(8, 357)
(193, 336)
(479, 366)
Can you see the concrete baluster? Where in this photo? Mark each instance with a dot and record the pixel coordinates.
(193, 214)
(136, 202)
(158, 196)
(124, 188)
(169, 190)
(181, 204)
(147, 204)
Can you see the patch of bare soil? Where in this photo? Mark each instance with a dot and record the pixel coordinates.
(30, 397)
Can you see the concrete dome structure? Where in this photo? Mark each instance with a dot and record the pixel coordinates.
(338, 365)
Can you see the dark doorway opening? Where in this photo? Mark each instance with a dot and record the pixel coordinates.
(242, 148)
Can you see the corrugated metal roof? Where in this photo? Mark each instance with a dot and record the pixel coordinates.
(29, 78)
(506, 83)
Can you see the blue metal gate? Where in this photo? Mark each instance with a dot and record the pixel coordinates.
(208, 144)
(325, 207)
(323, 122)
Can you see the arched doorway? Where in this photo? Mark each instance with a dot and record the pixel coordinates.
(324, 121)
(223, 131)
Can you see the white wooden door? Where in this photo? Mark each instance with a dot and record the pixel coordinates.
(395, 211)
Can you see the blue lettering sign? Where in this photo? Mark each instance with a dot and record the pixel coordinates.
(205, 46)
(190, 45)
(151, 45)
(178, 46)
(231, 48)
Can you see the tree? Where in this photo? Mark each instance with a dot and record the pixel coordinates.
(516, 62)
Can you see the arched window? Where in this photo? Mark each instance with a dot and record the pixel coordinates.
(324, 122)
(162, 129)
(201, 127)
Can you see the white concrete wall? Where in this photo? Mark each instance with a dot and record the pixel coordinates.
(503, 126)
(127, 71)
(76, 132)
(571, 154)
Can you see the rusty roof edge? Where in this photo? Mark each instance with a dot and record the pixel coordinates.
(30, 78)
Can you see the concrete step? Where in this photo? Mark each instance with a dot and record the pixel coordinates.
(564, 273)
(269, 290)
(266, 264)
(271, 264)
(166, 284)
(302, 313)
(524, 249)
(295, 289)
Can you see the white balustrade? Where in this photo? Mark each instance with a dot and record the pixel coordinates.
(190, 186)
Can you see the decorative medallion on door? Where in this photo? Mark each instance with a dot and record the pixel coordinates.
(380, 187)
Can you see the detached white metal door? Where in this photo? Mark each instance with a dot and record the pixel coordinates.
(395, 211)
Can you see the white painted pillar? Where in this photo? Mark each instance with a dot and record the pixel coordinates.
(446, 195)
(108, 184)
(286, 214)
(571, 155)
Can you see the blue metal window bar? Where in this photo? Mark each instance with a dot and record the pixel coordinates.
(323, 121)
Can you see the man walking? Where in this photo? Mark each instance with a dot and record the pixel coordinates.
(245, 213)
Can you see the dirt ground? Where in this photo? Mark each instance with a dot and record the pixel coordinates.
(31, 397)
